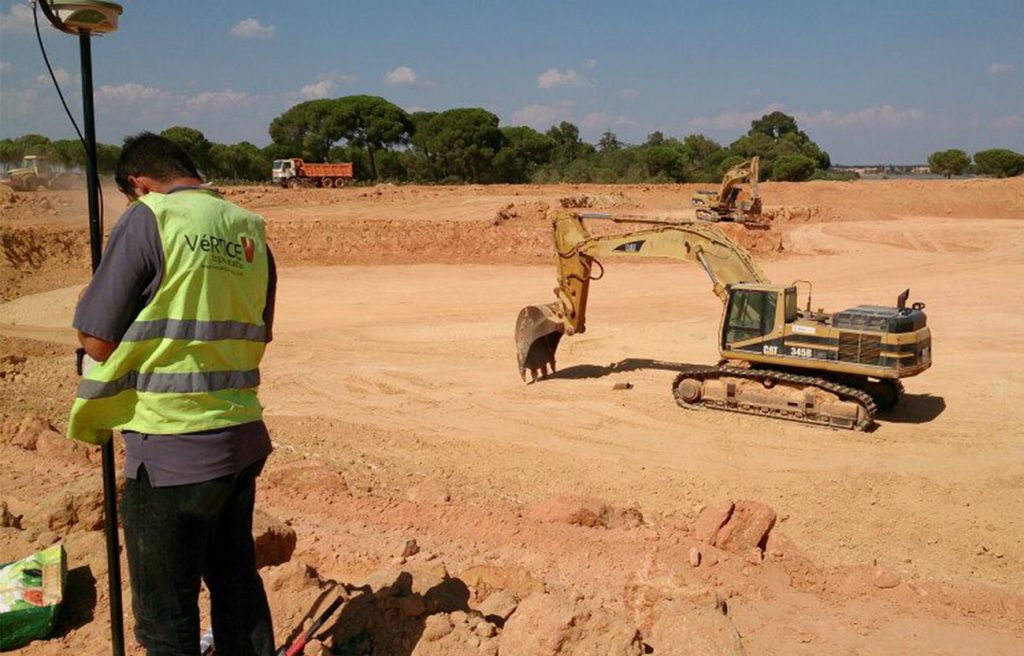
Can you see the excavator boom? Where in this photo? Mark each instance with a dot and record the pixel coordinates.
(540, 327)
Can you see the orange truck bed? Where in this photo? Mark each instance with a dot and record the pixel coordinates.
(312, 170)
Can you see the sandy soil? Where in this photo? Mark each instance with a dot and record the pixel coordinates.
(394, 400)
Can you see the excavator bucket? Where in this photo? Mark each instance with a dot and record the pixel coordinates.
(538, 330)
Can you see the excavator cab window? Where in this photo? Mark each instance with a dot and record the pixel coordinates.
(751, 315)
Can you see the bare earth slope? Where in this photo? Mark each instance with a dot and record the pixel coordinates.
(398, 415)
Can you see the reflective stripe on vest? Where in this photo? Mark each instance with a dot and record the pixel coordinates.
(166, 383)
(205, 331)
(190, 360)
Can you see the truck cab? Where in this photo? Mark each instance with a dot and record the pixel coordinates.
(283, 170)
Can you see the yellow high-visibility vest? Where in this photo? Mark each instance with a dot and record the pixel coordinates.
(190, 360)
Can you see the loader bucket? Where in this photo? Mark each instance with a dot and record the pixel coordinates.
(538, 330)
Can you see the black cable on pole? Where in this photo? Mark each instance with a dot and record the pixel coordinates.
(95, 200)
(90, 156)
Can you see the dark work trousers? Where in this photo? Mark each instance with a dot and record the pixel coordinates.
(177, 536)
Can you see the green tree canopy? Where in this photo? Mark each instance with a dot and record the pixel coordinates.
(69, 152)
(999, 162)
(608, 141)
(194, 142)
(10, 152)
(775, 135)
(702, 159)
(308, 130)
(949, 162)
(524, 150)
(240, 161)
(793, 168)
(34, 144)
(461, 142)
(373, 123)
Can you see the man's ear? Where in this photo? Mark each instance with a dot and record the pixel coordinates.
(142, 184)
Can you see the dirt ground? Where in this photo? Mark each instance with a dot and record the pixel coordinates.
(565, 517)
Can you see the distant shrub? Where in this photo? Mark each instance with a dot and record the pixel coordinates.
(999, 162)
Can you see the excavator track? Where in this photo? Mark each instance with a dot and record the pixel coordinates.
(772, 393)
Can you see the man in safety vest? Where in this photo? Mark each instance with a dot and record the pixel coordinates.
(177, 318)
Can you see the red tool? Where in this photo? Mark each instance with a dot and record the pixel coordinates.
(300, 642)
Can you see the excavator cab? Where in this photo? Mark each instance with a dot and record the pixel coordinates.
(750, 315)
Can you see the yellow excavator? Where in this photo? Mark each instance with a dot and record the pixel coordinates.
(778, 359)
(725, 204)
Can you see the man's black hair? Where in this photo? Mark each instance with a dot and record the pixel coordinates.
(153, 156)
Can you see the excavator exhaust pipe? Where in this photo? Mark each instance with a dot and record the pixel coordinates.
(538, 330)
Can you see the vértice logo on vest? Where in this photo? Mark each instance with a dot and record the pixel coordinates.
(235, 254)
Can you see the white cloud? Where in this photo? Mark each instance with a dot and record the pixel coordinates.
(629, 94)
(553, 77)
(63, 77)
(19, 102)
(1001, 69)
(325, 86)
(130, 93)
(18, 20)
(405, 76)
(591, 64)
(250, 28)
(542, 116)
(321, 89)
(602, 121)
(881, 116)
(1010, 122)
(218, 100)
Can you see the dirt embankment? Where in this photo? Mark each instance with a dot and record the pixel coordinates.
(43, 236)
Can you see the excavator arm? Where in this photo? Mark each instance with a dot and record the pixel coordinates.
(540, 327)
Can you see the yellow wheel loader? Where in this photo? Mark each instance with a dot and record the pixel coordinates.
(36, 171)
(725, 204)
(778, 359)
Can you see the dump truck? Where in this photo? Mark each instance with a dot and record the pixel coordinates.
(777, 359)
(295, 172)
(37, 171)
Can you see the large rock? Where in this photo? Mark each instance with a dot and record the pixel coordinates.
(711, 519)
(79, 505)
(483, 580)
(456, 634)
(584, 511)
(498, 607)
(683, 629)
(580, 511)
(748, 527)
(550, 624)
(275, 540)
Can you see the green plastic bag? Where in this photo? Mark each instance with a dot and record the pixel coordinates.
(31, 591)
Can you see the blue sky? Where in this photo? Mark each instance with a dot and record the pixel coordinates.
(869, 81)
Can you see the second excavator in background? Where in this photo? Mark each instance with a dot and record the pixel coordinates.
(726, 204)
(778, 359)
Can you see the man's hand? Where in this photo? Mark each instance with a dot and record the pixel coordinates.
(98, 349)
